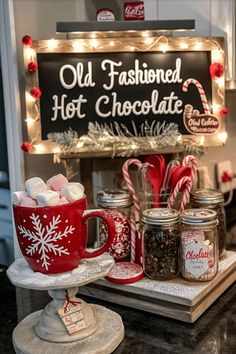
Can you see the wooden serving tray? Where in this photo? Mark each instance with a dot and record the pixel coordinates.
(178, 298)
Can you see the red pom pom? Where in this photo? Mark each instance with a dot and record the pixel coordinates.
(36, 92)
(26, 146)
(27, 41)
(32, 66)
(216, 70)
(226, 177)
(223, 112)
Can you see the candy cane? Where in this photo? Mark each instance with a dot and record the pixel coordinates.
(187, 183)
(201, 92)
(129, 184)
(191, 161)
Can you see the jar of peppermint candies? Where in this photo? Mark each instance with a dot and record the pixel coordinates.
(212, 199)
(161, 243)
(118, 203)
(199, 244)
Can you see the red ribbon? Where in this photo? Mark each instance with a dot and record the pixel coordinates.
(74, 303)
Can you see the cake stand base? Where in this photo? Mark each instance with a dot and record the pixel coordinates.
(105, 340)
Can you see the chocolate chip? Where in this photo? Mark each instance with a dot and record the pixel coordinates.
(161, 253)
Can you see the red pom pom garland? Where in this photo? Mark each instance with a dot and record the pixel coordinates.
(36, 92)
(26, 146)
(216, 70)
(27, 41)
(223, 112)
(32, 66)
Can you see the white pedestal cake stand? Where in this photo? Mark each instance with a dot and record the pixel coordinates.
(44, 332)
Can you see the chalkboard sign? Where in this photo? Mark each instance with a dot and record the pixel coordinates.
(126, 88)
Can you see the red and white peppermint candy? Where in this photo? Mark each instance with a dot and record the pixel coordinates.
(129, 184)
(185, 182)
(201, 92)
(191, 161)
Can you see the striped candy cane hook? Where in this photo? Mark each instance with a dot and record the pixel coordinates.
(191, 161)
(201, 92)
(187, 183)
(129, 184)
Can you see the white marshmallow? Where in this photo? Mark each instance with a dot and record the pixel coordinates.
(34, 186)
(48, 198)
(17, 196)
(28, 202)
(57, 182)
(73, 191)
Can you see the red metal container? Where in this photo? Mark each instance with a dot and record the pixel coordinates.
(134, 11)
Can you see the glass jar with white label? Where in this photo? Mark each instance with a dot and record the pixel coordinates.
(199, 244)
(212, 199)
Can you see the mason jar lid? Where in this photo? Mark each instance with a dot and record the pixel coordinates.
(207, 196)
(113, 198)
(199, 216)
(160, 216)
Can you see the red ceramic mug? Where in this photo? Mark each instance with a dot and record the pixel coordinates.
(54, 239)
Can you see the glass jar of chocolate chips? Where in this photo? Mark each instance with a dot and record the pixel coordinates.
(214, 200)
(161, 243)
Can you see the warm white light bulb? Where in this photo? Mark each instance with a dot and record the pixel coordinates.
(223, 136)
(164, 47)
(39, 148)
(30, 121)
(183, 45)
(216, 55)
(56, 150)
(78, 46)
(29, 53)
(215, 107)
(52, 44)
(198, 45)
(149, 40)
(94, 43)
(29, 98)
(202, 140)
(220, 81)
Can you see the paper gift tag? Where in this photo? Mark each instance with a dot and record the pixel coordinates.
(72, 316)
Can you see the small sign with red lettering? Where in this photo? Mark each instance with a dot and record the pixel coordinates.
(72, 316)
(134, 11)
(196, 256)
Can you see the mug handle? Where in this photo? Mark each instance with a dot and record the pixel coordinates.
(109, 221)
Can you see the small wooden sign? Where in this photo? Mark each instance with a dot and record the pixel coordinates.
(136, 88)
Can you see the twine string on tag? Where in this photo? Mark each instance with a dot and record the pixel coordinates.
(68, 301)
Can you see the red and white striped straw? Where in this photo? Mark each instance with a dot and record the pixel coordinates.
(191, 161)
(201, 92)
(129, 184)
(185, 182)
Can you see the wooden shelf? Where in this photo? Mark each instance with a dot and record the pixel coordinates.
(178, 298)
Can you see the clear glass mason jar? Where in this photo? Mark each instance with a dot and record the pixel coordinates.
(161, 243)
(118, 203)
(199, 244)
(212, 199)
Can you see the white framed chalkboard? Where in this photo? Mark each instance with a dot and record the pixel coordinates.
(103, 96)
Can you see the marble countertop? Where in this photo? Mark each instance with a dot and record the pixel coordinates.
(213, 333)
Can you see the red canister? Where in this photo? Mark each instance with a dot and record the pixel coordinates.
(117, 203)
(134, 11)
(105, 15)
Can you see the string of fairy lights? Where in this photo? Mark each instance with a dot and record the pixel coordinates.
(95, 45)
